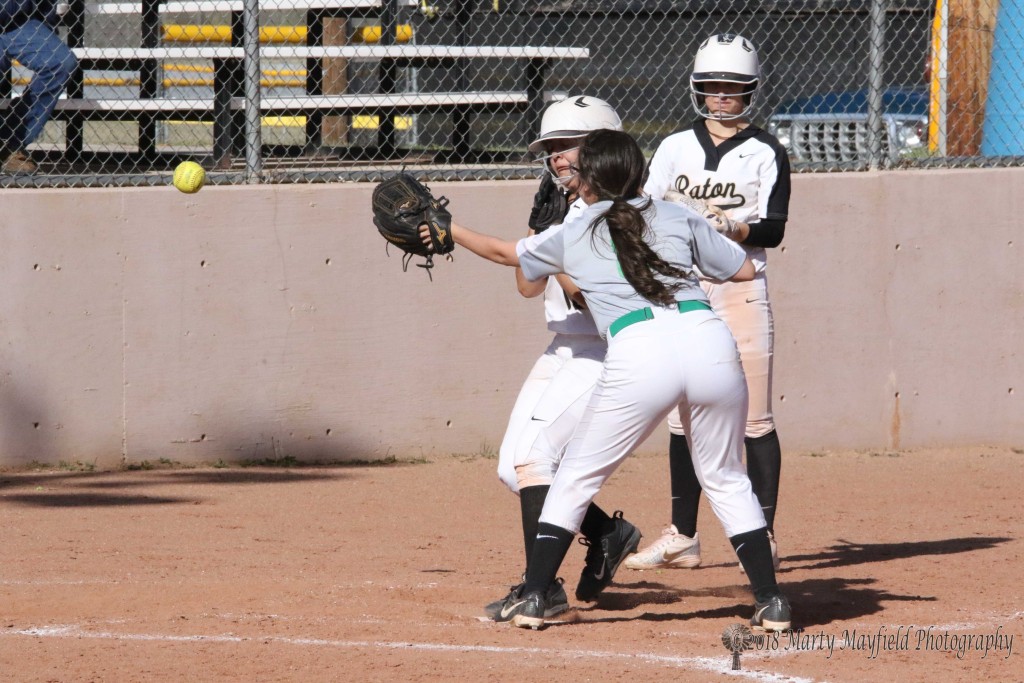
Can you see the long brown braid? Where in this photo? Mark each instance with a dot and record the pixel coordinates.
(612, 166)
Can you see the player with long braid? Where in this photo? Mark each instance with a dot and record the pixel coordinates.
(552, 399)
(632, 258)
(742, 174)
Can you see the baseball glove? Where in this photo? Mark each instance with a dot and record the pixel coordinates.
(401, 204)
(549, 205)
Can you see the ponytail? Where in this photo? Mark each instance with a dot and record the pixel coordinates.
(612, 166)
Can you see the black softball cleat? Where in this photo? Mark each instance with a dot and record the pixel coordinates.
(603, 560)
(524, 612)
(772, 615)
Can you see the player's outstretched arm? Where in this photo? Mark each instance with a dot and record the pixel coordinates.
(491, 248)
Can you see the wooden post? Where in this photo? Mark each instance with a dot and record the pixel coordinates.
(971, 30)
(335, 81)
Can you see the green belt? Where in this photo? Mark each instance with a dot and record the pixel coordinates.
(647, 314)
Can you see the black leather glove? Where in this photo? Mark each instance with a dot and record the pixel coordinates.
(549, 205)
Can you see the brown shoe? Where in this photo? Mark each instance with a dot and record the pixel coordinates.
(18, 162)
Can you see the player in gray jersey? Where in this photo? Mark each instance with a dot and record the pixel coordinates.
(741, 174)
(633, 259)
(552, 398)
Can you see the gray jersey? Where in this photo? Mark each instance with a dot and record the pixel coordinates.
(678, 235)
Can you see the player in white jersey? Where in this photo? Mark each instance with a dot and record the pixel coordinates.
(742, 172)
(552, 399)
(633, 258)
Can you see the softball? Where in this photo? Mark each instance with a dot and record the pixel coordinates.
(189, 177)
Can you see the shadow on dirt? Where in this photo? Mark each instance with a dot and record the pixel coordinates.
(847, 553)
(623, 596)
(816, 602)
(109, 489)
(90, 499)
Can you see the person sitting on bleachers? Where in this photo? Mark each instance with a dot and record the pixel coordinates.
(28, 35)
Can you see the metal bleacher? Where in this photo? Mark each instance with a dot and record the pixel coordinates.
(225, 107)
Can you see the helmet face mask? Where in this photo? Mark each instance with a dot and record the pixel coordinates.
(564, 182)
(724, 58)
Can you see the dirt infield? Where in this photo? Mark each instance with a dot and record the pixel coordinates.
(899, 566)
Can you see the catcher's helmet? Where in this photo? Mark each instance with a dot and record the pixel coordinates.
(574, 117)
(727, 58)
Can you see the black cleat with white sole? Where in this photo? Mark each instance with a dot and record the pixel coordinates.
(556, 601)
(524, 612)
(773, 615)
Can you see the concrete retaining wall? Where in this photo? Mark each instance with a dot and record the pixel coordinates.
(263, 322)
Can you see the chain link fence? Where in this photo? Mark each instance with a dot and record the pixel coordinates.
(315, 90)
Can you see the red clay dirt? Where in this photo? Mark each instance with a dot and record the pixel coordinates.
(899, 566)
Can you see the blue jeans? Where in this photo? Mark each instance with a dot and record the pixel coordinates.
(39, 49)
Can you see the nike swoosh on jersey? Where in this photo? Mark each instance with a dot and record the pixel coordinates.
(508, 609)
(537, 419)
(748, 154)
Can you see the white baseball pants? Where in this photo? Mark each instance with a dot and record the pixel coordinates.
(745, 308)
(548, 408)
(685, 360)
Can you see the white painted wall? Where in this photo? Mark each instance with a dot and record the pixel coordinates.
(263, 322)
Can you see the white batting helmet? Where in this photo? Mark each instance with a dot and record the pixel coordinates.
(574, 117)
(727, 58)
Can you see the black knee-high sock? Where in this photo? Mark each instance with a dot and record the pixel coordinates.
(594, 523)
(755, 555)
(685, 486)
(764, 465)
(549, 550)
(531, 502)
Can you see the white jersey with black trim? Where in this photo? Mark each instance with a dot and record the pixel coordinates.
(677, 235)
(563, 316)
(744, 175)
